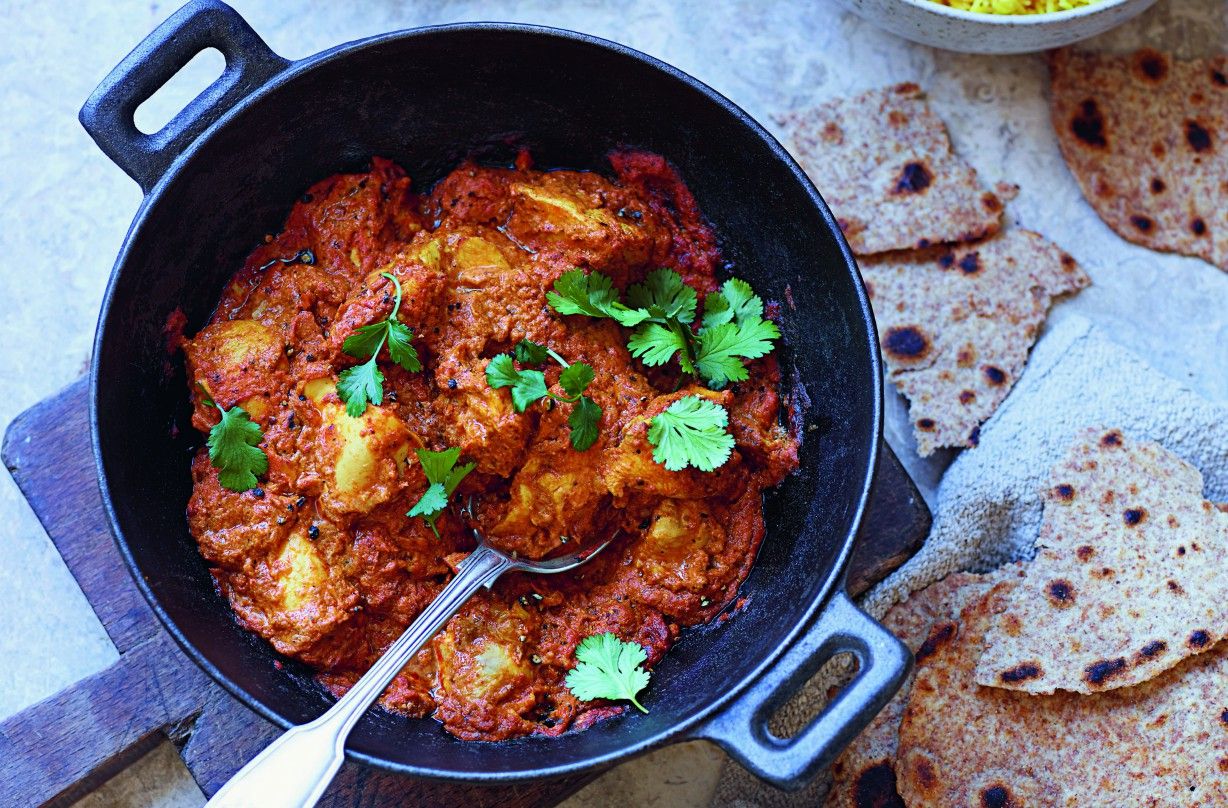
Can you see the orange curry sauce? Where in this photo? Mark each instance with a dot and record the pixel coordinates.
(322, 560)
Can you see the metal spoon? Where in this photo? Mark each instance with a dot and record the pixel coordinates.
(294, 770)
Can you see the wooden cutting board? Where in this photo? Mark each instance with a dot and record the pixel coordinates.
(63, 747)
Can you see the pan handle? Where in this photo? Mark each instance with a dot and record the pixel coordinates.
(742, 728)
(200, 24)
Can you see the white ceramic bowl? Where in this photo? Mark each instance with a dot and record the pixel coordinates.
(970, 32)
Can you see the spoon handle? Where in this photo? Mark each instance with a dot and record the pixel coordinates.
(294, 770)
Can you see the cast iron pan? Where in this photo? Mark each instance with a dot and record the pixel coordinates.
(226, 170)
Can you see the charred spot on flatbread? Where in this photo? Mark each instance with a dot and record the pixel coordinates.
(1087, 124)
(914, 178)
(1061, 593)
(1021, 672)
(875, 787)
(906, 343)
(1198, 137)
(1151, 64)
(970, 264)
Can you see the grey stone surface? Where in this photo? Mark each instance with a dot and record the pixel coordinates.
(66, 209)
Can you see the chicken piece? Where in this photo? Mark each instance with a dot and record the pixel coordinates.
(232, 526)
(672, 563)
(423, 292)
(630, 472)
(362, 461)
(485, 673)
(236, 362)
(300, 603)
(584, 217)
(556, 501)
(481, 420)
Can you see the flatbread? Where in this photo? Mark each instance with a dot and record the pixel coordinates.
(1129, 579)
(883, 161)
(956, 325)
(1146, 136)
(1160, 743)
(864, 775)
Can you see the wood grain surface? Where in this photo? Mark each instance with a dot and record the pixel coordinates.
(64, 746)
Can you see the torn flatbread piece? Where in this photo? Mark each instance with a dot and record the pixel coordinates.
(956, 325)
(1129, 578)
(865, 773)
(1161, 743)
(1146, 136)
(883, 161)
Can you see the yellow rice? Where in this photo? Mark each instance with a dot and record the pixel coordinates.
(1015, 6)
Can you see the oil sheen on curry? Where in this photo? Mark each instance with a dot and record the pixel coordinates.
(320, 555)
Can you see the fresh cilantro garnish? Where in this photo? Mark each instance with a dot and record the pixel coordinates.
(583, 422)
(663, 307)
(664, 295)
(735, 302)
(592, 294)
(528, 352)
(529, 386)
(608, 668)
(234, 449)
(362, 383)
(655, 344)
(721, 349)
(691, 432)
(443, 475)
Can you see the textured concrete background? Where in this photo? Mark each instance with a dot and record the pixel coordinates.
(66, 209)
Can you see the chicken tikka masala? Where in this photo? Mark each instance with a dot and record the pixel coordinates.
(547, 356)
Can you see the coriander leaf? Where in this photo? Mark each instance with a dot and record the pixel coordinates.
(360, 384)
(576, 378)
(233, 451)
(577, 292)
(691, 432)
(530, 386)
(593, 294)
(438, 464)
(364, 342)
(721, 348)
(664, 295)
(500, 372)
(444, 476)
(717, 310)
(432, 502)
(528, 352)
(654, 344)
(456, 475)
(608, 668)
(583, 422)
(399, 347)
(527, 386)
(735, 302)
